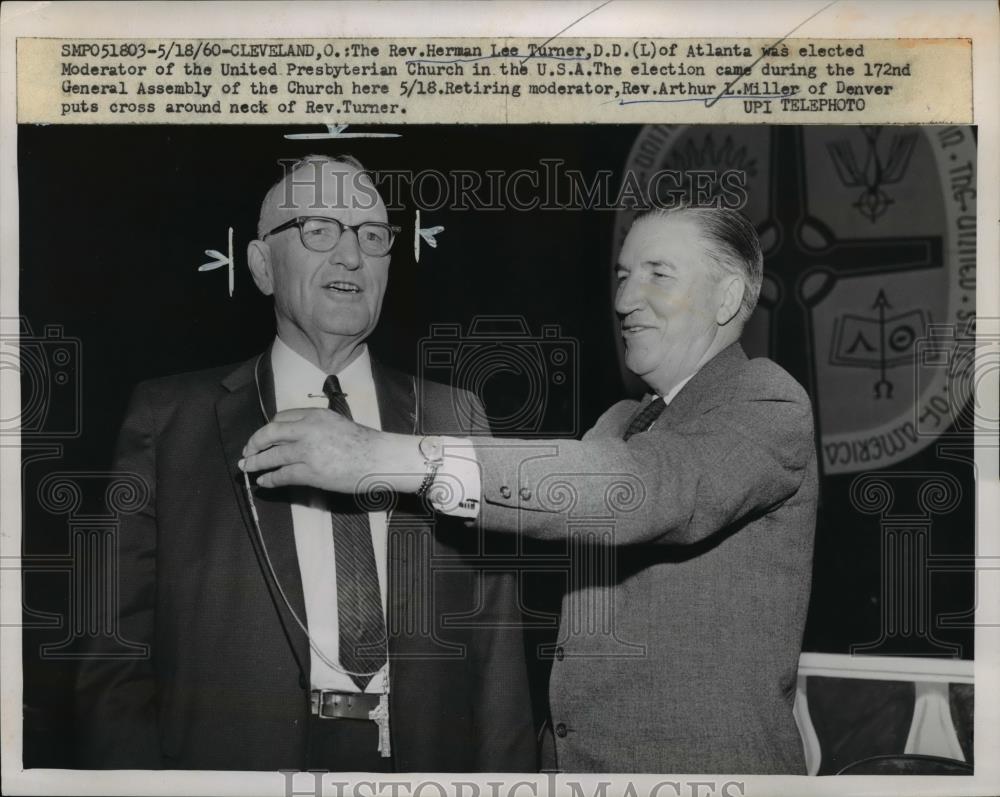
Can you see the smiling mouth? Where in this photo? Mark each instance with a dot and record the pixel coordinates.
(635, 329)
(339, 286)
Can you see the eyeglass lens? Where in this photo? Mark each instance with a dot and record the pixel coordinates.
(322, 235)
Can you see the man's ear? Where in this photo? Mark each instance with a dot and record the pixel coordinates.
(731, 289)
(259, 259)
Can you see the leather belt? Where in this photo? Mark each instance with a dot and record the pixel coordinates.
(331, 705)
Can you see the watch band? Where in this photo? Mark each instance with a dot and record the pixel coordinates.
(431, 450)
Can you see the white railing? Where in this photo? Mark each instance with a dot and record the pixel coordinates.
(932, 731)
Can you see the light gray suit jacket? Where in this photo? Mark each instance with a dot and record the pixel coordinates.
(691, 548)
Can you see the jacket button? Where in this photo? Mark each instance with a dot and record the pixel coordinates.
(561, 730)
(560, 653)
(504, 491)
(525, 494)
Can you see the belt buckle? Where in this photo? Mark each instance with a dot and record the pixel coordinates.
(331, 704)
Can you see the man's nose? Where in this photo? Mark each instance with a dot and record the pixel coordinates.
(628, 296)
(347, 252)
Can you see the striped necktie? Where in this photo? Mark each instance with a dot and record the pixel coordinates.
(359, 603)
(644, 418)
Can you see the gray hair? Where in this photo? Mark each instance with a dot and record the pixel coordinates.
(734, 246)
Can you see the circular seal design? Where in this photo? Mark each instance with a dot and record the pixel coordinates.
(869, 239)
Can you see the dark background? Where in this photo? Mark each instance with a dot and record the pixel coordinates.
(114, 223)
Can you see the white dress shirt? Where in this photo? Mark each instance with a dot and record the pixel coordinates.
(299, 383)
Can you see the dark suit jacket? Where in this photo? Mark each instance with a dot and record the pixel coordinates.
(226, 685)
(683, 622)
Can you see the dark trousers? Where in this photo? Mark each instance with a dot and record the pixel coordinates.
(547, 749)
(345, 745)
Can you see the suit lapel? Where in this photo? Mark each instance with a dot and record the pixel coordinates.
(397, 401)
(397, 408)
(240, 414)
(707, 388)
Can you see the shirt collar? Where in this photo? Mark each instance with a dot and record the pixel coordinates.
(676, 389)
(299, 383)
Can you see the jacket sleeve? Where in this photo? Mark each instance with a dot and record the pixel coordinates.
(503, 711)
(116, 693)
(674, 485)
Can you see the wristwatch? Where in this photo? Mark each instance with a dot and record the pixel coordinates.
(432, 450)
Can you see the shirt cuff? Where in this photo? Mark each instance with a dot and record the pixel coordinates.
(457, 486)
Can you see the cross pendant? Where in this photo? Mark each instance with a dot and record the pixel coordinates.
(380, 716)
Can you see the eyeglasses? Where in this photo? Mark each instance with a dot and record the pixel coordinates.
(321, 234)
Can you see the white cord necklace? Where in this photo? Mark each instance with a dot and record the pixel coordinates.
(380, 714)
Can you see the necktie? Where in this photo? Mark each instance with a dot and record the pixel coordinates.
(359, 605)
(644, 418)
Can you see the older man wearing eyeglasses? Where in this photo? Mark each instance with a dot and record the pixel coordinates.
(291, 628)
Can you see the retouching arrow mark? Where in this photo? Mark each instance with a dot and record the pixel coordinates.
(336, 131)
(428, 234)
(416, 236)
(425, 233)
(221, 260)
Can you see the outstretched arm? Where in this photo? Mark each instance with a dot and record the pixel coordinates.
(676, 485)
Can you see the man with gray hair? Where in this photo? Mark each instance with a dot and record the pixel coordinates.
(690, 516)
(290, 628)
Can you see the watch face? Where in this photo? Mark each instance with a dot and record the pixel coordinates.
(431, 449)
